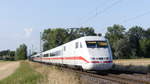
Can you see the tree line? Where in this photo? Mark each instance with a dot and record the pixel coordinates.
(7, 55)
(131, 43)
(19, 54)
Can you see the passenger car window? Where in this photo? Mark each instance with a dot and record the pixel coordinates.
(45, 55)
(56, 53)
(64, 48)
(76, 44)
(80, 45)
(52, 54)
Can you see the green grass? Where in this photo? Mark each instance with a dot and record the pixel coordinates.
(5, 61)
(25, 74)
(1, 60)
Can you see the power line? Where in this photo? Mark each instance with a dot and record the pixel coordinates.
(96, 9)
(104, 10)
(136, 17)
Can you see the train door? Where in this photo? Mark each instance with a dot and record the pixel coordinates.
(75, 52)
(62, 53)
(78, 51)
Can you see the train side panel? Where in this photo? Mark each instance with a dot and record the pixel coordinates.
(77, 53)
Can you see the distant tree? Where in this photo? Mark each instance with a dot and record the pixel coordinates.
(135, 34)
(145, 44)
(75, 33)
(53, 38)
(115, 33)
(4, 54)
(7, 55)
(147, 33)
(122, 49)
(145, 47)
(86, 31)
(21, 52)
(131, 44)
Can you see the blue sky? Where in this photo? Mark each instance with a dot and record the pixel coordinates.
(22, 20)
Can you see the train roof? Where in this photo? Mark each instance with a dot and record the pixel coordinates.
(86, 38)
(93, 38)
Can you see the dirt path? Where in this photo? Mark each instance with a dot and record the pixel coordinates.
(7, 68)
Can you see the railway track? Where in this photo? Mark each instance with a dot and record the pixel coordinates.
(112, 77)
(129, 80)
(108, 76)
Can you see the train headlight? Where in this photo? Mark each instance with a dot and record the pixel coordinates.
(100, 58)
(106, 58)
(93, 58)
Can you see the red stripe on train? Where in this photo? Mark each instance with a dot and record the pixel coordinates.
(69, 58)
(74, 58)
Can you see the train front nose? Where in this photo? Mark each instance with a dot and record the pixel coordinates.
(98, 66)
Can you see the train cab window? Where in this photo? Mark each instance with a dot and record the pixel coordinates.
(91, 44)
(102, 44)
(76, 44)
(97, 44)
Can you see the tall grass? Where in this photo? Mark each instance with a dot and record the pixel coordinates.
(135, 62)
(135, 65)
(55, 75)
(2, 61)
(25, 74)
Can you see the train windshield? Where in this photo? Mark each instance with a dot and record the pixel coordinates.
(97, 44)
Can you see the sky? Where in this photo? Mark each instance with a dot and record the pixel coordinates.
(21, 21)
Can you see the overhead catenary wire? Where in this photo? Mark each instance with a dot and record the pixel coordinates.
(136, 17)
(100, 12)
(95, 9)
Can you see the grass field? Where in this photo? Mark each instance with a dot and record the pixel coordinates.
(54, 74)
(136, 65)
(1, 61)
(35, 73)
(136, 62)
(5, 61)
(25, 74)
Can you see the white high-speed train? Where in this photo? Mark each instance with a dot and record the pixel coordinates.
(88, 53)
